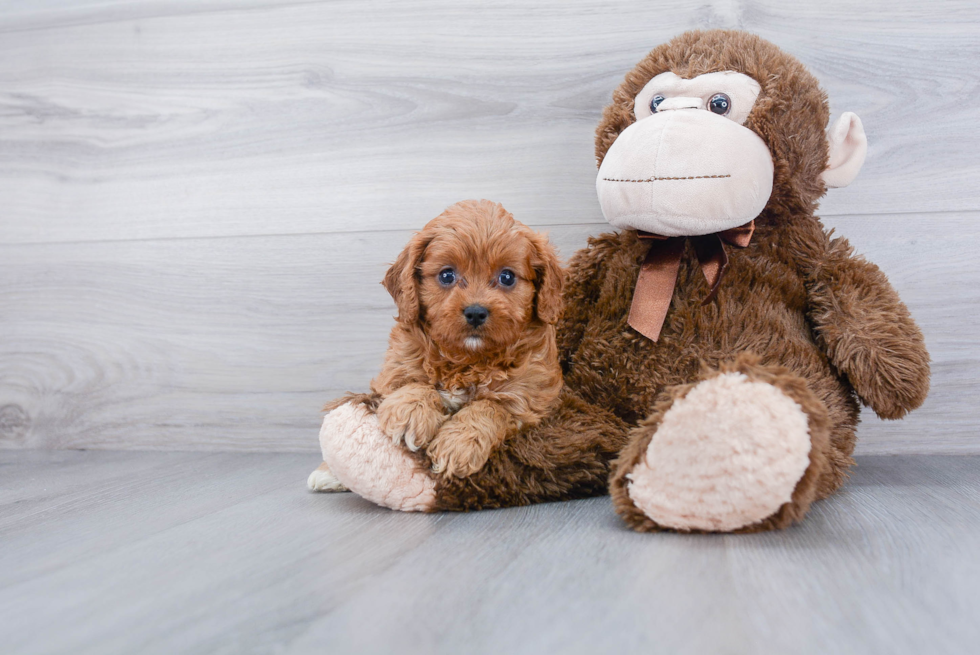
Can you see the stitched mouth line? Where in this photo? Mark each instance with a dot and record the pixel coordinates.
(660, 179)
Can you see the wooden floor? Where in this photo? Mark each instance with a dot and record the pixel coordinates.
(113, 552)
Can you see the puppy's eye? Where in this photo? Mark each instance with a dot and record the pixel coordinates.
(447, 277)
(507, 278)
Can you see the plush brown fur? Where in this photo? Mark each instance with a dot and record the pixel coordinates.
(807, 490)
(456, 390)
(796, 309)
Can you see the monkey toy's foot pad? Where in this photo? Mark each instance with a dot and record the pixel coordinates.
(370, 464)
(725, 456)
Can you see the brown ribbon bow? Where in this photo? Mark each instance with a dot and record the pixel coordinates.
(658, 273)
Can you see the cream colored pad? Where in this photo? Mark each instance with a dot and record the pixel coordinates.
(684, 172)
(366, 461)
(725, 456)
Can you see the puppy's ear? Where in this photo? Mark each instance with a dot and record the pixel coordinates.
(401, 280)
(549, 281)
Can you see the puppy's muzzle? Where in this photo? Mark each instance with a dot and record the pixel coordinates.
(476, 315)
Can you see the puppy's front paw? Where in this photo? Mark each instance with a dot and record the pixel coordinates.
(458, 450)
(411, 414)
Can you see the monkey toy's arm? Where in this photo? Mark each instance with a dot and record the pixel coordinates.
(867, 332)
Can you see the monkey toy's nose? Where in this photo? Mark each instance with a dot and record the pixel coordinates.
(476, 315)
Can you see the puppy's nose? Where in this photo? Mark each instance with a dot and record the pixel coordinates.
(476, 315)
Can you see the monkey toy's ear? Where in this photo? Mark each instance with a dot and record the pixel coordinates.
(848, 147)
(400, 279)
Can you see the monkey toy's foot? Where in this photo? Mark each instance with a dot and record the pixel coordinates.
(365, 460)
(741, 450)
(323, 480)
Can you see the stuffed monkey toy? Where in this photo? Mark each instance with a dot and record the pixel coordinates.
(716, 347)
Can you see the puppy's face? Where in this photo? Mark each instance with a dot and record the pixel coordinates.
(476, 279)
(477, 293)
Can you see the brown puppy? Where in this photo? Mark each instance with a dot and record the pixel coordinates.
(472, 358)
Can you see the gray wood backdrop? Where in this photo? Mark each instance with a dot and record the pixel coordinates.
(199, 197)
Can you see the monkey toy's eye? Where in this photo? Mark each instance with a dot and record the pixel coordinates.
(656, 103)
(720, 104)
(447, 277)
(507, 278)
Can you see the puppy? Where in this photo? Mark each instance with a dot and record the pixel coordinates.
(472, 358)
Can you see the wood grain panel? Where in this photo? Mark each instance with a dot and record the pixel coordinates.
(175, 119)
(234, 343)
(228, 553)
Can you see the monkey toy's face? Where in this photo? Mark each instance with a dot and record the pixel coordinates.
(691, 161)
(688, 166)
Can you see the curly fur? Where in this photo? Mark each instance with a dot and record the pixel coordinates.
(438, 390)
(797, 310)
(807, 489)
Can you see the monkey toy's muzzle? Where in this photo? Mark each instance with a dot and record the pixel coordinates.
(684, 172)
